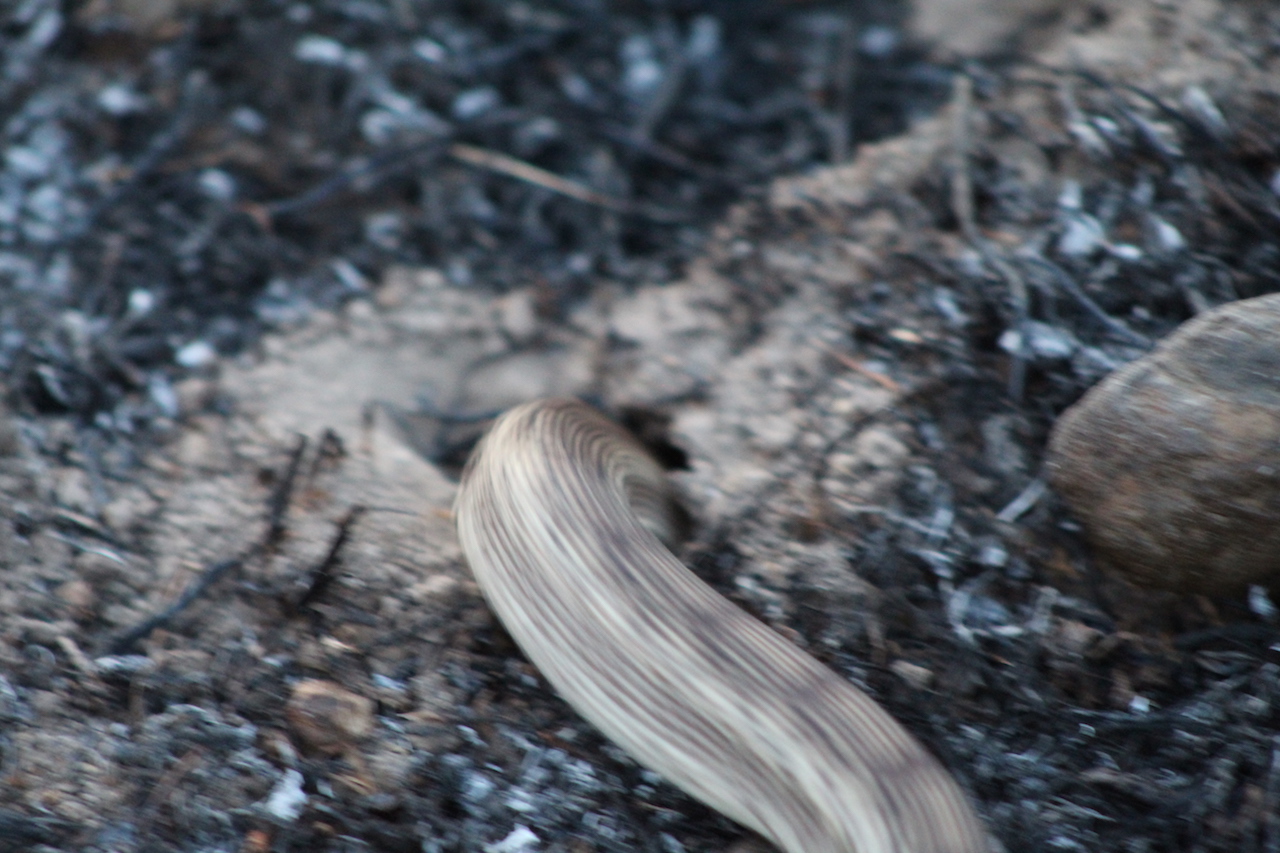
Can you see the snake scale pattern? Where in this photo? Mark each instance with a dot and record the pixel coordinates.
(562, 517)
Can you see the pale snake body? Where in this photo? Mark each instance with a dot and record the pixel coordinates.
(561, 515)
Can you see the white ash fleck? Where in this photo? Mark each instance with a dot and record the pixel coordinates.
(519, 839)
(287, 798)
(1043, 341)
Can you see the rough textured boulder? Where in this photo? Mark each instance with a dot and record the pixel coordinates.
(1173, 462)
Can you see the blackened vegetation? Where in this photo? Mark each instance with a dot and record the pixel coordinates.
(167, 199)
(1085, 714)
(163, 201)
(306, 590)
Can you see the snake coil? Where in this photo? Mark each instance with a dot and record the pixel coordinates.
(562, 517)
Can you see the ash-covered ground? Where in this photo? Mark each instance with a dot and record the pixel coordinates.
(251, 254)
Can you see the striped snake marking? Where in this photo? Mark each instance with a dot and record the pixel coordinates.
(563, 516)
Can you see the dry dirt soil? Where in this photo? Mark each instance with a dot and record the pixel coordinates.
(856, 440)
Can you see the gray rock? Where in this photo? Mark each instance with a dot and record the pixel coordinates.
(1173, 462)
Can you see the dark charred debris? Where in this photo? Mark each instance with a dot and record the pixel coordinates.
(166, 201)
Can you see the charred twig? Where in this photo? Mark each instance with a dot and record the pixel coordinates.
(1225, 276)
(962, 207)
(277, 507)
(1078, 125)
(1077, 293)
(1021, 317)
(840, 132)
(282, 495)
(1144, 127)
(212, 574)
(498, 56)
(666, 155)
(961, 181)
(374, 170)
(323, 574)
(329, 453)
(70, 521)
(88, 547)
(1239, 635)
(861, 369)
(661, 102)
(161, 146)
(505, 164)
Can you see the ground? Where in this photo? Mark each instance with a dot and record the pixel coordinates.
(247, 624)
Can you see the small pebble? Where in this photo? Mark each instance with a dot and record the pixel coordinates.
(196, 354)
(79, 597)
(320, 50)
(327, 717)
(918, 677)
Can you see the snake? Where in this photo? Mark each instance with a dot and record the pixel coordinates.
(568, 525)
